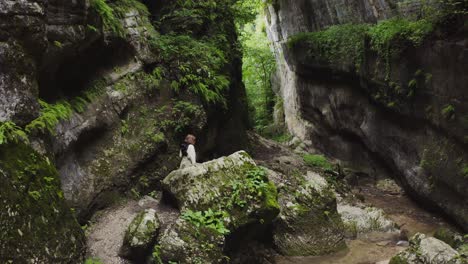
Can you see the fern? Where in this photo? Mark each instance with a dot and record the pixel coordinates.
(10, 132)
(50, 116)
(109, 21)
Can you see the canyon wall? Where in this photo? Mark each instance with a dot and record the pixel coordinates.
(397, 103)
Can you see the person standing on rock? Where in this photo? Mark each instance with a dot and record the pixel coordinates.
(187, 151)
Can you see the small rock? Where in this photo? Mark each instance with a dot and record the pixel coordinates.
(402, 243)
(141, 234)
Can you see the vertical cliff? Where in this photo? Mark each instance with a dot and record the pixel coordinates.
(380, 84)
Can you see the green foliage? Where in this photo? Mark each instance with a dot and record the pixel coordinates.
(336, 43)
(448, 111)
(282, 138)
(10, 132)
(246, 11)
(93, 261)
(188, 116)
(50, 116)
(181, 56)
(387, 33)
(209, 219)
(257, 68)
(318, 161)
(254, 186)
(465, 170)
(110, 22)
(157, 255)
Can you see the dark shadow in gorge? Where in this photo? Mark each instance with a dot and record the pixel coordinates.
(73, 73)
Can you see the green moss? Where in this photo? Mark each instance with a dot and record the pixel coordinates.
(449, 237)
(271, 202)
(448, 111)
(37, 213)
(398, 260)
(93, 261)
(317, 161)
(464, 171)
(339, 42)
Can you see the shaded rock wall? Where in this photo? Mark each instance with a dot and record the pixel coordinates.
(340, 108)
(123, 133)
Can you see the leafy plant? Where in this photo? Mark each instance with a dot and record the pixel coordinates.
(209, 219)
(199, 74)
(10, 132)
(109, 21)
(448, 111)
(50, 116)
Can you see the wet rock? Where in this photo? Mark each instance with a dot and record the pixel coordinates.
(309, 223)
(427, 250)
(141, 234)
(360, 219)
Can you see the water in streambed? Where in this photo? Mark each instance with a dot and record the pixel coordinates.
(379, 247)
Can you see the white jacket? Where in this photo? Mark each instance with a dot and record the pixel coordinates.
(191, 156)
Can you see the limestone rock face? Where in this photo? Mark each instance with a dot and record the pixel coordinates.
(356, 113)
(309, 223)
(37, 226)
(141, 234)
(428, 250)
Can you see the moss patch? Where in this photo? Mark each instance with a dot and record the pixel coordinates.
(36, 222)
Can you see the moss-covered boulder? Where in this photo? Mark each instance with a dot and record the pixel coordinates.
(309, 223)
(428, 250)
(232, 184)
(141, 234)
(185, 242)
(215, 198)
(36, 225)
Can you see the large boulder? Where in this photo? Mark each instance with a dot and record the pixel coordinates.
(309, 223)
(233, 184)
(37, 226)
(360, 219)
(428, 250)
(216, 198)
(141, 234)
(184, 242)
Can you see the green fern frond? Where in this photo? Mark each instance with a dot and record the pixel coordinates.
(10, 132)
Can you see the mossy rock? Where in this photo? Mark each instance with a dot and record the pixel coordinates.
(36, 223)
(309, 223)
(428, 250)
(450, 237)
(232, 184)
(184, 242)
(141, 234)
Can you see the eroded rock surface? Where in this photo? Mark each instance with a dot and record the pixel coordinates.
(367, 113)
